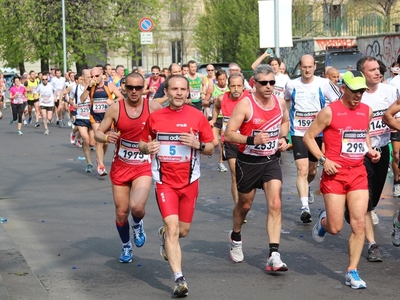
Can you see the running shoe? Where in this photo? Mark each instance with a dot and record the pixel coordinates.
(373, 254)
(19, 132)
(25, 123)
(78, 143)
(139, 236)
(58, 122)
(92, 148)
(69, 123)
(161, 234)
(89, 168)
(318, 232)
(181, 289)
(46, 132)
(72, 138)
(236, 252)
(305, 216)
(126, 254)
(37, 124)
(354, 280)
(11, 121)
(29, 121)
(275, 264)
(310, 196)
(101, 170)
(395, 236)
(375, 218)
(396, 190)
(221, 167)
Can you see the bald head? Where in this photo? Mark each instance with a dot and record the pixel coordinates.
(333, 75)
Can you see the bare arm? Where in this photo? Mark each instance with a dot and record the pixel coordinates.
(389, 118)
(109, 117)
(260, 59)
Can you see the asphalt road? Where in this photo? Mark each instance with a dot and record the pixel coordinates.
(60, 240)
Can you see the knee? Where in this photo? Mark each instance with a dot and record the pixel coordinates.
(358, 225)
(275, 206)
(183, 232)
(333, 229)
(121, 217)
(302, 170)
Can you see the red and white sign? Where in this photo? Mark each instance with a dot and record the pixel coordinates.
(146, 24)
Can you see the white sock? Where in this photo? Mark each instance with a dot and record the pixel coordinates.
(304, 201)
(177, 275)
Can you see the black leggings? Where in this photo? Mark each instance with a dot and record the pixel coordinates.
(17, 111)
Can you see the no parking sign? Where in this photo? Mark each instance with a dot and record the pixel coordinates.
(146, 24)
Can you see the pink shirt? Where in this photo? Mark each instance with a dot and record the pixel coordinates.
(20, 98)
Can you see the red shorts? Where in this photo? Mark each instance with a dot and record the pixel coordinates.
(181, 202)
(346, 180)
(123, 174)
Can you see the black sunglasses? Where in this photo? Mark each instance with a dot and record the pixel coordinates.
(96, 76)
(44, 79)
(265, 82)
(134, 87)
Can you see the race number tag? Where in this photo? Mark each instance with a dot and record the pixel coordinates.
(129, 153)
(377, 126)
(100, 105)
(195, 94)
(45, 98)
(171, 149)
(57, 94)
(19, 98)
(267, 149)
(303, 120)
(354, 144)
(83, 110)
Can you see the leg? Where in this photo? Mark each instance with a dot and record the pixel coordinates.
(273, 191)
(395, 167)
(232, 167)
(84, 132)
(241, 209)
(37, 111)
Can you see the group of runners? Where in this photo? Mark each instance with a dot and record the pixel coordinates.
(161, 127)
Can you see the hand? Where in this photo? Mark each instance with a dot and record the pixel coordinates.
(374, 155)
(189, 139)
(113, 137)
(330, 167)
(282, 145)
(261, 138)
(153, 146)
(211, 122)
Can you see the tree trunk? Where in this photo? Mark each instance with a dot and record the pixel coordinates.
(21, 66)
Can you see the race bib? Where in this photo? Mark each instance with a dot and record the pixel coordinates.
(267, 149)
(354, 144)
(45, 99)
(100, 105)
(195, 94)
(83, 110)
(129, 153)
(57, 94)
(19, 98)
(172, 150)
(377, 126)
(303, 120)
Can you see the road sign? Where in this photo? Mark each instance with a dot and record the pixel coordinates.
(146, 24)
(146, 38)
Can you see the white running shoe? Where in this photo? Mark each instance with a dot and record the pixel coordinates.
(310, 195)
(221, 167)
(375, 218)
(275, 264)
(236, 252)
(354, 280)
(396, 190)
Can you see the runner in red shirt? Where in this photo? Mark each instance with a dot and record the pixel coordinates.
(259, 124)
(175, 136)
(345, 125)
(130, 170)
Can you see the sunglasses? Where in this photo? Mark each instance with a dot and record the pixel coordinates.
(44, 79)
(265, 82)
(98, 75)
(210, 70)
(361, 91)
(155, 73)
(134, 87)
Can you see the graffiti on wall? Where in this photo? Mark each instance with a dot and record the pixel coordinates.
(291, 56)
(322, 44)
(385, 48)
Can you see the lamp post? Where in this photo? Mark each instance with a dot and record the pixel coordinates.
(64, 37)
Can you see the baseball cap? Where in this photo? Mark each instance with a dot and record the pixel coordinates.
(354, 80)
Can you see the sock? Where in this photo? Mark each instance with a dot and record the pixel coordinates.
(304, 201)
(370, 244)
(136, 221)
(273, 248)
(177, 275)
(236, 236)
(123, 230)
(129, 244)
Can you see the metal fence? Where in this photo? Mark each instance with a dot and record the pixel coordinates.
(345, 26)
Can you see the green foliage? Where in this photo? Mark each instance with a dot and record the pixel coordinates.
(228, 31)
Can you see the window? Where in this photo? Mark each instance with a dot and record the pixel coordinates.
(176, 51)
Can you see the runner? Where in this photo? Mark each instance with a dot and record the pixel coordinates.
(46, 101)
(31, 86)
(100, 94)
(259, 124)
(18, 99)
(197, 86)
(58, 83)
(305, 97)
(153, 82)
(176, 136)
(345, 124)
(130, 170)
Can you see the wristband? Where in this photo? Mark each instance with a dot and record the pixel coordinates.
(250, 140)
(106, 138)
(286, 139)
(89, 88)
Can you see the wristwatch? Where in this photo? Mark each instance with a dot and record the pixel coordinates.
(202, 147)
(322, 159)
(286, 139)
